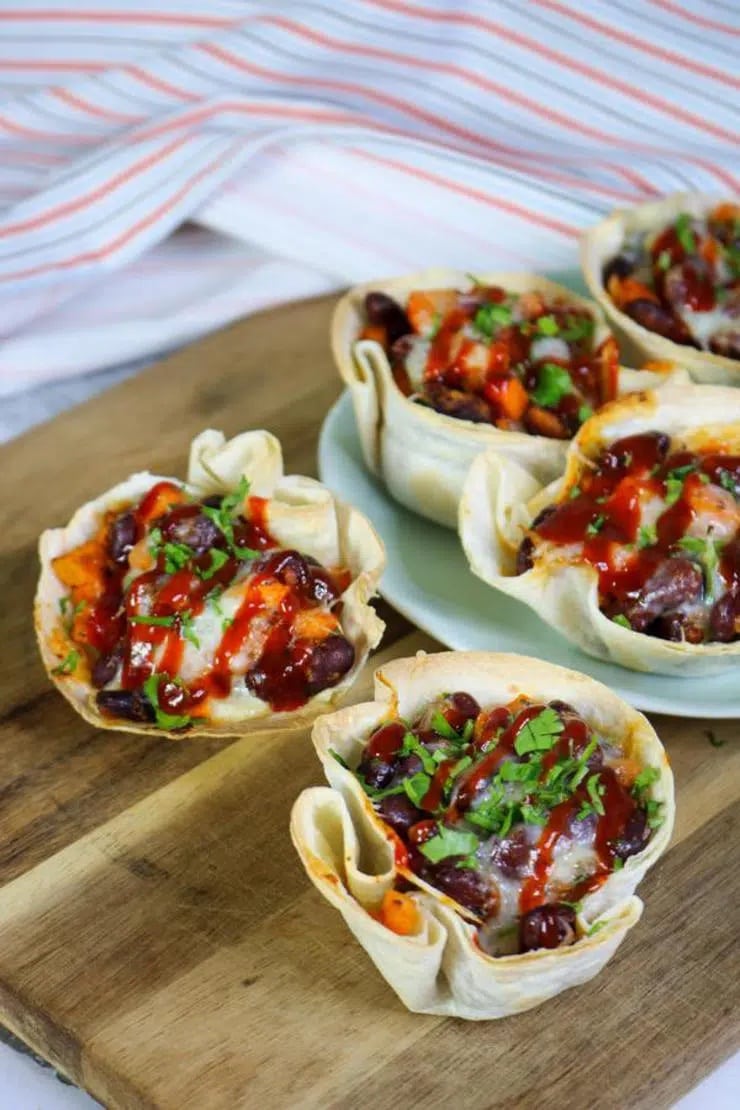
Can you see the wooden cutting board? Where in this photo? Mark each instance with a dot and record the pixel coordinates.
(159, 942)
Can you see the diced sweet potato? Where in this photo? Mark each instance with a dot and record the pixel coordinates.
(376, 333)
(624, 290)
(315, 624)
(399, 913)
(508, 396)
(427, 307)
(82, 570)
(272, 593)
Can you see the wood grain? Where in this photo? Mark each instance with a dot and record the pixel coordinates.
(159, 942)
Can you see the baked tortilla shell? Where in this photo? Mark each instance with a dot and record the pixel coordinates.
(422, 455)
(301, 514)
(349, 853)
(601, 243)
(501, 499)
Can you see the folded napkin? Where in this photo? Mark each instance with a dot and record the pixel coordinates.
(303, 145)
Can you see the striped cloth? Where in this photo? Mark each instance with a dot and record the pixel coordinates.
(301, 145)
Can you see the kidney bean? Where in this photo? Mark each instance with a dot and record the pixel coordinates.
(329, 661)
(645, 451)
(131, 705)
(552, 926)
(460, 405)
(465, 885)
(213, 501)
(106, 667)
(383, 311)
(583, 830)
(635, 836)
(620, 266)
(723, 616)
(525, 555)
(726, 343)
(679, 627)
(542, 422)
(376, 772)
(399, 812)
(122, 537)
(406, 766)
(292, 569)
(659, 320)
(563, 708)
(190, 527)
(465, 705)
(673, 582)
(689, 284)
(512, 855)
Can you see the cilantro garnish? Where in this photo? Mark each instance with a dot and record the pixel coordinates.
(412, 746)
(64, 603)
(578, 328)
(684, 234)
(176, 556)
(490, 317)
(186, 627)
(706, 552)
(547, 325)
(647, 536)
(442, 726)
(164, 622)
(68, 665)
(594, 788)
(213, 597)
(222, 517)
(449, 842)
(621, 620)
(552, 385)
(673, 490)
(540, 733)
(585, 412)
(339, 758)
(416, 787)
(596, 928)
(643, 781)
(436, 325)
(163, 719)
(663, 261)
(727, 481)
(154, 542)
(596, 525)
(218, 558)
(573, 492)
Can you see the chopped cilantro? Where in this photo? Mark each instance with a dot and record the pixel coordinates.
(490, 317)
(647, 536)
(684, 234)
(449, 842)
(468, 730)
(222, 517)
(596, 928)
(436, 325)
(154, 542)
(595, 788)
(339, 758)
(68, 665)
(578, 328)
(218, 558)
(552, 385)
(618, 863)
(655, 817)
(664, 260)
(176, 556)
(442, 726)
(413, 746)
(621, 620)
(682, 471)
(673, 490)
(188, 632)
(376, 795)
(540, 733)
(596, 525)
(163, 719)
(573, 492)
(165, 622)
(416, 787)
(728, 482)
(63, 605)
(510, 771)
(547, 325)
(585, 412)
(644, 780)
(706, 552)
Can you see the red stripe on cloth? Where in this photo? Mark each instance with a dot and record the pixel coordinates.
(70, 206)
(158, 83)
(722, 175)
(561, 59)
(640, 44)
(96, 15)
(637, 180)
(125, 236)
(72, 67)
(476, 194)
(441, 67)
(700, 19)
(51, 136)
(92, 109)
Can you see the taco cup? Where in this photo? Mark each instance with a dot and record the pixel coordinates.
(237, 600)
(508, 874)
(634, 555)
(441, 366)
(667, 276)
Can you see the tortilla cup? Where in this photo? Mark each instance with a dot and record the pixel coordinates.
(422, 455)
(601, 243)
(301, 513)
(349, 853)
(501, 499)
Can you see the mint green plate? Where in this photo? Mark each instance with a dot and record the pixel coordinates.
(428, 580)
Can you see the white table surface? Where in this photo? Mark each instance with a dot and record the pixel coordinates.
(24, 1084)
